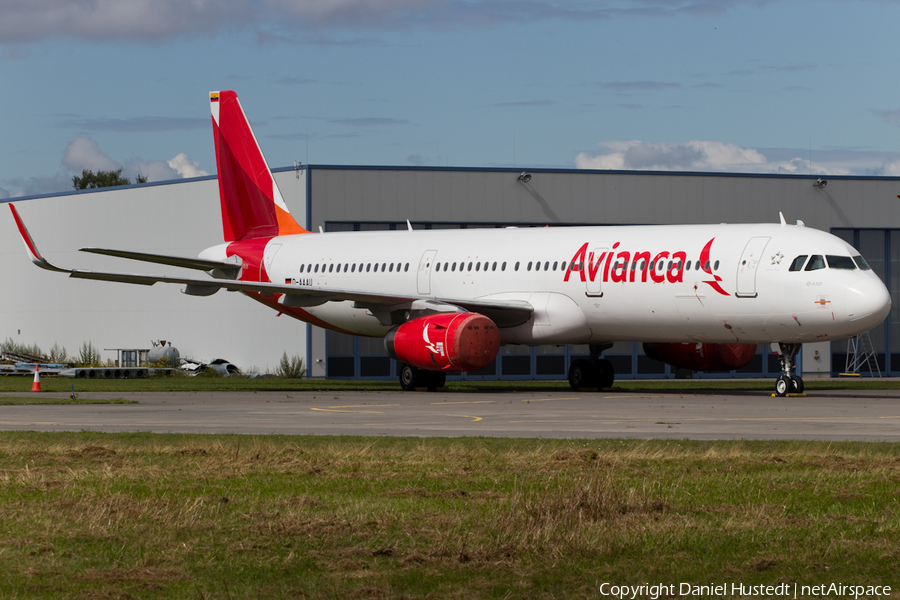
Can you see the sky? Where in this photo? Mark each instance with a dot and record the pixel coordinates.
(756, 86)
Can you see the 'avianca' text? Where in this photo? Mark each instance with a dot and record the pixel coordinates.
(622, 266)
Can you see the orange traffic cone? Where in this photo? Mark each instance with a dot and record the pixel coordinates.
(36, 386)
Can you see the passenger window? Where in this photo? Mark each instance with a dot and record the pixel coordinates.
(840, 262)
(494, 266)
(398, 267)
(517, 266)
(353, 268)
(478, 266)
(470, 267)
(437, 266)
(346, 266)
(392, 268)
(503, 266)
(406, 267)
(716, 266)
(529, 265)
(797, 265)
(815, 263)
(383, 265)
(368, 267)
(687, 266)
(317, 268)
(861, 263)
(537, 266)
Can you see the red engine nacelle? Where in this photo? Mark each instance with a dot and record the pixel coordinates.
(445, 342)
(702, 357)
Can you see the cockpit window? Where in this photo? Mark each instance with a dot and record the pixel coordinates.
(861, 263)
(797, 265)
(840, 262)
(815, 263)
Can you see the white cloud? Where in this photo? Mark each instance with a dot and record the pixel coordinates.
(84, 153)
(185, 167)
(712, 156)
(891, 168)
(153, 170)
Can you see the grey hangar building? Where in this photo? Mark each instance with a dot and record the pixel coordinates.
(182, 217)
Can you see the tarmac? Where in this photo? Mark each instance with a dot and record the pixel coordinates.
(819, 415)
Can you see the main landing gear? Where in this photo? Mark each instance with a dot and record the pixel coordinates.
(594, 372)
(414, 377)
(787, 383)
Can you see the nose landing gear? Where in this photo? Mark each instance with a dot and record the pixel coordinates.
(788, 383)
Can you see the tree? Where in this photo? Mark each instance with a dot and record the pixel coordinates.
(88, 356)
(89, 179)
(291, 367)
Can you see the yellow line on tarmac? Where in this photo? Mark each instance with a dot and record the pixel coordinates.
(364, 406)
(462, 402)
(682, 420)
(374, 412)
(466, 417)
(547, 399)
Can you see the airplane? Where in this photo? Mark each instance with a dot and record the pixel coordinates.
(700, 297)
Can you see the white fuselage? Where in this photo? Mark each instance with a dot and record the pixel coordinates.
(673, 283)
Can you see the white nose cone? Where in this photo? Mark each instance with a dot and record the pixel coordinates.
(868, 303)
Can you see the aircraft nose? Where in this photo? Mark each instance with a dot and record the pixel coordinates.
(868, 302)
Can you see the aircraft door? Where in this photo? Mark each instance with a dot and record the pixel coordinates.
(593, 272)
(268, 257)
(423, 278)
(747, 266)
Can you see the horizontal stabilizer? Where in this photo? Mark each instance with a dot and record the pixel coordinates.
(229, 269)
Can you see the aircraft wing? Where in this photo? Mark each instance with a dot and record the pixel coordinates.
(506, 313)
(230, 269)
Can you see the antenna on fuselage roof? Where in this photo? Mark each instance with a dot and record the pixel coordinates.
(320, 229)
(781, 216)
(409, 225)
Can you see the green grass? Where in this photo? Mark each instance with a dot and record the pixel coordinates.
(38, 399)
(93, 515)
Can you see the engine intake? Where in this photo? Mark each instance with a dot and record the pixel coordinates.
(445, 342)
(702, 357)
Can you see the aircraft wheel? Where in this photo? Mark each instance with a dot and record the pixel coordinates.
(797, 384)
(581, 374)
(409, 378)
(604, 373)
(783, 386)
(436, 379)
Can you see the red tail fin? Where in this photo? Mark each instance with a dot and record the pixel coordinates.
(252, 205)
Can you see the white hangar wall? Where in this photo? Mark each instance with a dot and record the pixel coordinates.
(180, 218)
